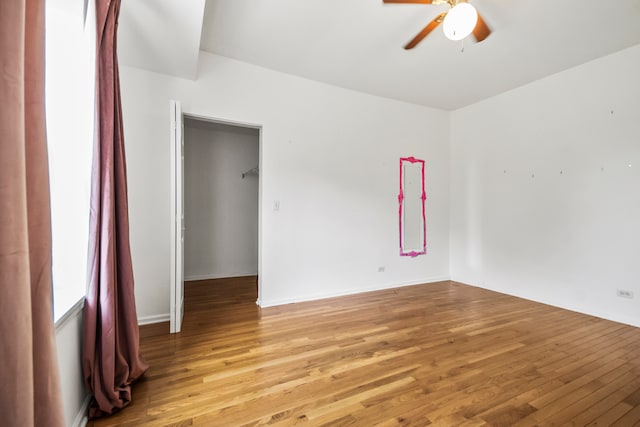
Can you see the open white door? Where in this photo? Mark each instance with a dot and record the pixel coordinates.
(177, 218)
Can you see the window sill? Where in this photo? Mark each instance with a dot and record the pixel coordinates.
(69, 314)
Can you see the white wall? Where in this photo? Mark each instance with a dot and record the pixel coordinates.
(544, 202)
(221, 207)
(75, 398)
(328, 155)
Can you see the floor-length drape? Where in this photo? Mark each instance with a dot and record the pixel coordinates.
(28, 363)
(111, 356)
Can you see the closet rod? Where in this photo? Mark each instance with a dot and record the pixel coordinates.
(252, 171)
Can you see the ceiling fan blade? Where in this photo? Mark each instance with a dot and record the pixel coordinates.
(481, 31)
(425, 31)
(408, 1)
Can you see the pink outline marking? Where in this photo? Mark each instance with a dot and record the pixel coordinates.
(412, 254)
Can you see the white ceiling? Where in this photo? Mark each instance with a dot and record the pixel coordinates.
(358, 44)
(161, 35)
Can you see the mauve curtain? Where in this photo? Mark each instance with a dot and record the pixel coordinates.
(111, 350)
(28, 362)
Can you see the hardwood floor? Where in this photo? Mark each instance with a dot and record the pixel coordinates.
(441, 354)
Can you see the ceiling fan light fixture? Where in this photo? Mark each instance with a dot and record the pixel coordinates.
(460, 21)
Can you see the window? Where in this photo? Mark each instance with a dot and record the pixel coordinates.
(69, 95)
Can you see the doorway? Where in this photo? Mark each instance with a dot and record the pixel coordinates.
(221, 203)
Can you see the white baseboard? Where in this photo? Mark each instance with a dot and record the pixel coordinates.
(217, 276)
(614, 317)
(81, 418)
(271, 303)
(156, 318)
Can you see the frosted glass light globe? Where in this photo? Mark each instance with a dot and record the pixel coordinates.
(460, 21)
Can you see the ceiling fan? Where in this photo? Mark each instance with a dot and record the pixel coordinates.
(458, 22)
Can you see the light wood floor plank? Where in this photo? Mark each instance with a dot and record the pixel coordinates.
(442, 354)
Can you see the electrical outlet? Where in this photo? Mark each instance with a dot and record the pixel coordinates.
(624, 293)
(381, 269)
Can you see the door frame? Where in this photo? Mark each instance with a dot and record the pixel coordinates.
(176, 280)
(176, 286)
